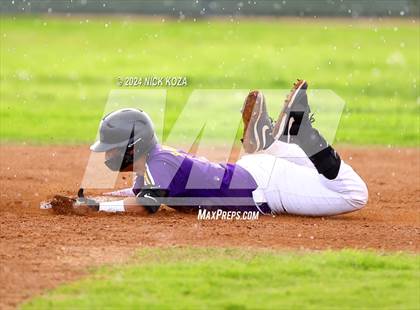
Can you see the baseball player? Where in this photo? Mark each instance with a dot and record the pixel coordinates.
(288, 168)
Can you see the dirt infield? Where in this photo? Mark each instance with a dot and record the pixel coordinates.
(39, 250)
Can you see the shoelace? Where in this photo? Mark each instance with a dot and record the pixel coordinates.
(312, 118)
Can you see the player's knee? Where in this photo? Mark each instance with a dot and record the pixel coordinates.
(360, 195)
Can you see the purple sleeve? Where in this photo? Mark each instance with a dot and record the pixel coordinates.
(160, 173)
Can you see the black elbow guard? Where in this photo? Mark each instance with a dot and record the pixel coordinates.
(150, 198)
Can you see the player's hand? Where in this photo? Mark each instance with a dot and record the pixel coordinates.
(83, 205)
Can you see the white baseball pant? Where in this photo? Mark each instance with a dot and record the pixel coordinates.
(289, 183)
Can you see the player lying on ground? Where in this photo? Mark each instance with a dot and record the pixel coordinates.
(289, 168)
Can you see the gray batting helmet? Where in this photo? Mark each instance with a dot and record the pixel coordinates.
(131, 131)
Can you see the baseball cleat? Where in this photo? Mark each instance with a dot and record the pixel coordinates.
(258, 126)
(294, 125)
(295, 109)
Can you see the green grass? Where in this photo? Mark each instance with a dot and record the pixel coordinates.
(56, 73)
(191, 278)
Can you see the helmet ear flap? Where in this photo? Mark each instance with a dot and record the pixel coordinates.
(122, 160)
(125, 156)
(115, 163)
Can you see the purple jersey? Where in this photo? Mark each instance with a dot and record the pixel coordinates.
(201, 182)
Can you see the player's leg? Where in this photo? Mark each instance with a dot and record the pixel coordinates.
(332, 188)
(294, 125)
(296, 189)
(337, 188)
(301, 190)
(289, 152)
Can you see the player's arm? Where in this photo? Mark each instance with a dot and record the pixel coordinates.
(146, 202)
